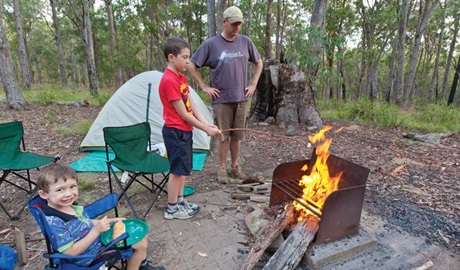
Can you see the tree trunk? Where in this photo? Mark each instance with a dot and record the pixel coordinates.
(451, 54)
(23, 59)
(113, 44)
(283, 94)
(453, 89)
(221, 4)
(317, 23)
(83, 22)
(399, 84)
(39, 72)
(57, 36)
(268, 31)
(421, 27)
(390, 79)
(211, 12)
(14, 98)
(89, 49)
(434, 77)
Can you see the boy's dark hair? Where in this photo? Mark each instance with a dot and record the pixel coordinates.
(174, 46)
(52, 173)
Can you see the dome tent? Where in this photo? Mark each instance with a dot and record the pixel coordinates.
(129, 106)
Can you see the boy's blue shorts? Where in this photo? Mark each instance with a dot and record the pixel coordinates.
(179, 147)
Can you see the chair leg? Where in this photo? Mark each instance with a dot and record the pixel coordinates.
(161, 187)
(123, 193)
(16, 217)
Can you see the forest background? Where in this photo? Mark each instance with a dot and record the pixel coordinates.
(372, 60)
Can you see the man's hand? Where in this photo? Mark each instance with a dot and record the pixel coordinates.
(212, 92)
(250, 90)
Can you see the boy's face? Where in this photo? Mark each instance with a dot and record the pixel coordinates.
(61, 194)
(181, 61)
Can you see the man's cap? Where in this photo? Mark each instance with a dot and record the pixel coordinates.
(233, 14)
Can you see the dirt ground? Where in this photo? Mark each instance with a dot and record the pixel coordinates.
(412, 184)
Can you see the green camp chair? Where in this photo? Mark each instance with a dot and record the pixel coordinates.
(17, 162)
(130, 145)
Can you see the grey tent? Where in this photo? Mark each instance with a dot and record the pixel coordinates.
(129, 105)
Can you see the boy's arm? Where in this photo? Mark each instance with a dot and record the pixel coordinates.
(80, 246)
(179, 106)
(197, 112)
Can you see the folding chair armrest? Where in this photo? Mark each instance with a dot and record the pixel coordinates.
(102, 205)
(63, 256)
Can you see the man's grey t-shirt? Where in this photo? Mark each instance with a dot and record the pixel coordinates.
(228, 63)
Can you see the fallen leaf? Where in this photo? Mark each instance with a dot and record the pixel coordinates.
(398, 169)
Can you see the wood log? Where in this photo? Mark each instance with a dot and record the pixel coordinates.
(290, 253)
(271, 232)
(20, 240)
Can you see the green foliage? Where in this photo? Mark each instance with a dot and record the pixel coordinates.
(420, 117)
(81, 128)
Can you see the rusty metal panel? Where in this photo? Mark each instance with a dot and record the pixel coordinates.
(342, 209)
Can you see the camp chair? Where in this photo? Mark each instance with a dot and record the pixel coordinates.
(108, 255)
(13, 160)
(130, 145)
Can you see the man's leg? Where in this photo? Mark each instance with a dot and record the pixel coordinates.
(235, 146)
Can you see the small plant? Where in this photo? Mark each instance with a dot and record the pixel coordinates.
(81, 128)
(65, 132)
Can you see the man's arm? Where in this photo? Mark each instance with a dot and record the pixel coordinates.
(213, 92)
(255, 78)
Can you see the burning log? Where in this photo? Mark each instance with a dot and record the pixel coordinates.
(290, 253)
(273, 229)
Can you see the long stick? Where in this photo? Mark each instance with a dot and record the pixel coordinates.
(265, 133)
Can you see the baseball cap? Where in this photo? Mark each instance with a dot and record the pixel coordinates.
(233, 14)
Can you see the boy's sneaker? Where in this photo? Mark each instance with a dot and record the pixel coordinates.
(179, 213)
(190, 206)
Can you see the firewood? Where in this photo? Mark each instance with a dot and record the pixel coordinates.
(290, 253)
(260, 198)
(271, 232)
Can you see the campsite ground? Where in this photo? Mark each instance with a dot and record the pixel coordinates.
(412, 185)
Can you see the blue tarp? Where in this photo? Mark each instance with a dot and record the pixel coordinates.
(95, 162)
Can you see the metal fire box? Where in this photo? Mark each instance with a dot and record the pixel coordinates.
(341, 212)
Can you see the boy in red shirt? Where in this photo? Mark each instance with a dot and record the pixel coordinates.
(180, 114)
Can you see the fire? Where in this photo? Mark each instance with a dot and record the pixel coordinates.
(318, 184)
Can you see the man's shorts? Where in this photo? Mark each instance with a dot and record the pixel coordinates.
(178, 145)
(229, 116)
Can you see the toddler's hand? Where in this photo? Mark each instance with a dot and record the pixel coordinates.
(102, 225)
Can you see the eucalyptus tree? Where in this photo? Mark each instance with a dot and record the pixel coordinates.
(117, 73)
(79, 12)
(57, 37)
(434, 78)
(22, 49)
(402, 28)
(426, 8)
(339, 21)
(14, 98)
(455, 18)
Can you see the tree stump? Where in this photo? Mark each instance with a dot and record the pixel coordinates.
(283, 93)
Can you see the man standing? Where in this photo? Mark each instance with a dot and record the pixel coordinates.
(227, 55)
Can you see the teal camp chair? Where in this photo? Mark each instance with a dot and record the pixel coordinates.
(130, 145)
(17, 162)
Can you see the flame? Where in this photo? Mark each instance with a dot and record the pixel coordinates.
(318, 184)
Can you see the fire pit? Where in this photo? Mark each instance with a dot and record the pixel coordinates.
(341, 212)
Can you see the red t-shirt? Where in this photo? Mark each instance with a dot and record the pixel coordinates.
(174, 87)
